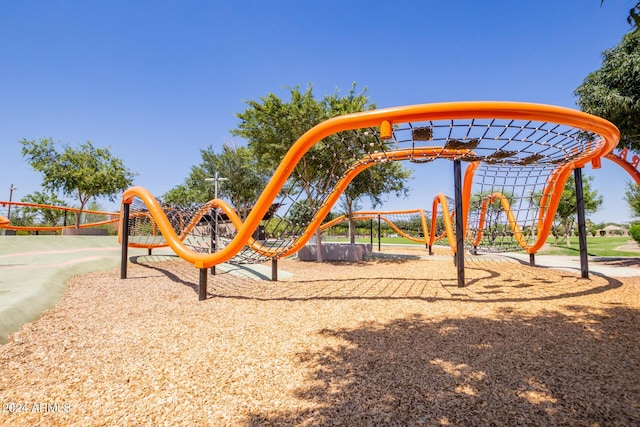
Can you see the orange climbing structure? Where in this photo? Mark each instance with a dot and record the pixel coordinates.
(518, 157)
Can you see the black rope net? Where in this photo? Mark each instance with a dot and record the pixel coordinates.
(517, 158)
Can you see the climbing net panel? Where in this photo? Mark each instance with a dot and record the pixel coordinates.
(518, 156)
(504, 206)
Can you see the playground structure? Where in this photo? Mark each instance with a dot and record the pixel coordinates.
(409, 224)
(518, 156)
(36, 217)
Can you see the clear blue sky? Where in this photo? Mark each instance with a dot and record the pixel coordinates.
(156, 81)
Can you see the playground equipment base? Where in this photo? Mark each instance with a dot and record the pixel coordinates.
(84, 231)
(336, 252)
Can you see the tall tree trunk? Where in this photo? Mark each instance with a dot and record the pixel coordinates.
(567, 232)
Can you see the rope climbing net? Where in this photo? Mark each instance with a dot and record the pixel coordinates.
(518, 158)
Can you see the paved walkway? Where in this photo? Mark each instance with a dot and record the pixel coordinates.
(34, 270)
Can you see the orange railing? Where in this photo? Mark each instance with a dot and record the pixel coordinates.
(5, 223)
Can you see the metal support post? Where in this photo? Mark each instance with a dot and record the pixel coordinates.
(214, 236)
(379, 235)
(202, 286)
(274, 270)
(582, 230)
(371, 231)
(124, 238)
(459, 257)
(532, 260)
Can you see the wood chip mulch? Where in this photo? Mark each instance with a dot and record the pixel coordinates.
(389, 341)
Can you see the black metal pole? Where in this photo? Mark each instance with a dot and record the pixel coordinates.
(214, 235)
(582, 229)
(379, 235)
(371, 231)
(124, 254)
(202, 286)
(274, 270)
(532, 260)
(457, 179)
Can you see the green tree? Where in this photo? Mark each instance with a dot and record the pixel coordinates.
(613, 91)
(272, 126)
(632, 196)
(373, 183)
(633, 18)
(84, 173)
(50, 217)
(245, 179)
(568, 208)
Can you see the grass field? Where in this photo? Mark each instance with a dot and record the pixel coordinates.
(597, 246)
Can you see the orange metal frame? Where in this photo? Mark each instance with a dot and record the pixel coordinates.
(385, 119)
(364, 215)
(628, 167)
(6, 224)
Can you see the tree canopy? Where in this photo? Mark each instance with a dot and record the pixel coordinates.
(83, 173)
(272, 125)
(613, 91)
(245, 179)
(632, 196)
(568, 207)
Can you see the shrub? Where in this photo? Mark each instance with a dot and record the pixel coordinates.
(634, 231)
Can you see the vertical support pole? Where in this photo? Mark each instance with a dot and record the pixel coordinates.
(532, 260)
(459, 257)
(202, 286)
(379, 235)
(274, 270)
(124, 254)
(582, 230)
(214, 235)
(371, 231)
(149, 251)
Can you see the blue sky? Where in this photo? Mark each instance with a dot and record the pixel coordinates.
(157, 81)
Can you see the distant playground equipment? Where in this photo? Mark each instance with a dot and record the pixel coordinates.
(35, 217)
(628, 161)
(410, 224)
(518, 158)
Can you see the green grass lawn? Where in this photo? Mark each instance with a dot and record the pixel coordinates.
(596, 246)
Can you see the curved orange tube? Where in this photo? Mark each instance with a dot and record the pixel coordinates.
(628, 167)
(374, 118)
(441, 200)
(513, 223)
(364, 215)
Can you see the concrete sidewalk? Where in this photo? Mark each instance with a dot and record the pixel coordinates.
(597, 265)
(34, 271)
